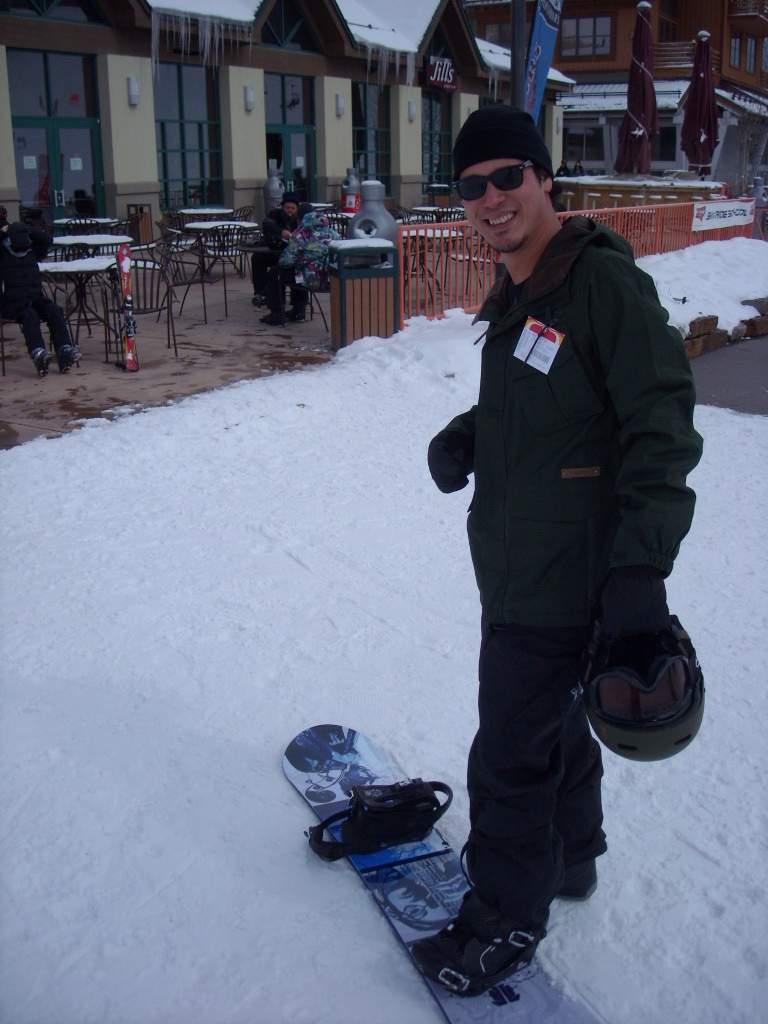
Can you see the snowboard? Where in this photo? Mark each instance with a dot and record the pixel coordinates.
(417, 886)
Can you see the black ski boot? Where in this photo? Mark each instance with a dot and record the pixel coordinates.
(274, 319)
(67, 358)
(580, 881)
(477, 950)
(41, 357)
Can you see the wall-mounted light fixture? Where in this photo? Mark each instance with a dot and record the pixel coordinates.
(134, 92)
(339, 105)
(249, 98)
(411, 110)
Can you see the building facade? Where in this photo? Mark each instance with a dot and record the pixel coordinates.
(594, 48)
(109, 103)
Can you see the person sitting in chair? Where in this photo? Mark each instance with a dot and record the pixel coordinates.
(276, 229)
(22, 297)
(303, 265)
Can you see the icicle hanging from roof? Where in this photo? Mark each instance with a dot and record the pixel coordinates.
(493, 81)
(410, 68)
(212, 34)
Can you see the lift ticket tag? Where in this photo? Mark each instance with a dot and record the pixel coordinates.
(538, 345)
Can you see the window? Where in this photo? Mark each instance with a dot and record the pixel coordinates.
(288, 99)
(51, 84)
(436, 138)
(585, 37)
(751, 54)
(735, 58)
(765, 54)
(287, 28)
(664, 144)
(583, 142)
(188, 135)
(371, 143)
(668, 15)
(499, 32)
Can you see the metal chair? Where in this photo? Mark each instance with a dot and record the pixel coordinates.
(6, 322)
(242, 213)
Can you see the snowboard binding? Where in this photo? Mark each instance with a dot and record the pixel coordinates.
(382, 816)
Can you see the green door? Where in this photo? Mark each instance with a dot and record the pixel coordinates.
(58, 165)
(289, 109)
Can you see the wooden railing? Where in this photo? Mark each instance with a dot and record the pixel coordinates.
(757, 7)
(449, 266)
(669, 56)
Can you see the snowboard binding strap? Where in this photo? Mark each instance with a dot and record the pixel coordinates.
(382, 816)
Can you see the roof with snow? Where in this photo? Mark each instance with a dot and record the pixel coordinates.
(612, 96)
(230, 11)
(744, 100)
(395, 27)
(498, 58)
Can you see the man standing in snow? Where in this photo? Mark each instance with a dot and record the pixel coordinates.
(580, 443)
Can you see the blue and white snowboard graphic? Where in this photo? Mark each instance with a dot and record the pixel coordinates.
(418, 886)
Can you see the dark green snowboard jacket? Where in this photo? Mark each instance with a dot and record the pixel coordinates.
(583, 468)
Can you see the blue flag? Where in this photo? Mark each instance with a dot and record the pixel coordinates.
(544, 29)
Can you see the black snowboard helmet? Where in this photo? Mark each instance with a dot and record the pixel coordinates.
(644, 694)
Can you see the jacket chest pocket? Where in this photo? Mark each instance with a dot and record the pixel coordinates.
(554, 401)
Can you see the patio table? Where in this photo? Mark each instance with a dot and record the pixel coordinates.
(80, 274)
(93, 243)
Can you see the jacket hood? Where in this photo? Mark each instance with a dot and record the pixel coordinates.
(564, 249)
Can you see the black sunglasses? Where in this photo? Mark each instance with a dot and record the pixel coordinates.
(504, 178)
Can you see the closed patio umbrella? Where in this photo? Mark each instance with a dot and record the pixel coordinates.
(699, 135)
(639, 122)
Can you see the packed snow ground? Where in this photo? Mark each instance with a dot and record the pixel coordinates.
(185, 589)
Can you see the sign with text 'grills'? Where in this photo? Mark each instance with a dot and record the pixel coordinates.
(728, 214)
(441, 73)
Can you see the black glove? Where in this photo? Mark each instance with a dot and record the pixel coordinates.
(451, 458)
(634, 600)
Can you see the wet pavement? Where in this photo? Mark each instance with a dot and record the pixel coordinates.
(239, 347)
(734, 377)
(225, 350)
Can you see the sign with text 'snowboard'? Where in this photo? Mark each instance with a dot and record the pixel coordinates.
(729, 213)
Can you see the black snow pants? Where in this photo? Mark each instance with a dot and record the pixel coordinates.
(534, 771)
(39, 311)
(278, 278)
(260, 263)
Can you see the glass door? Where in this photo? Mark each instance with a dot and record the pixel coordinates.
(54, 114)
(289, 107)
(58, 166)
(33, 175)
(291, 153)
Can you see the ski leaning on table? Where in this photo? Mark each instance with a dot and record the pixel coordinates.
(129, 356)
(417, 885)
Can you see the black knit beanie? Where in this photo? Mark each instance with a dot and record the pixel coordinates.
(497, 131)
(290, 197)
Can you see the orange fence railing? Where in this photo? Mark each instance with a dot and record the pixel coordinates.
(449, 266)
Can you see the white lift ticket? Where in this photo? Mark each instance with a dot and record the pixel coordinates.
(538, 345)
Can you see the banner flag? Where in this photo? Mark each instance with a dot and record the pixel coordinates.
(541, 47)
(729, 214)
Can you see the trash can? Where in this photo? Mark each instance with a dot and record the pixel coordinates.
(364, 297)
(140, 220)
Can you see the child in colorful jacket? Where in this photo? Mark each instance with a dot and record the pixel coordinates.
(303, 264)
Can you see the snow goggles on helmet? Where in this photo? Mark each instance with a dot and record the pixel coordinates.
(624, 695)
(506, 179)
(644, 694)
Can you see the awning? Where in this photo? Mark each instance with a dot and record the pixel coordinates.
(611, 97)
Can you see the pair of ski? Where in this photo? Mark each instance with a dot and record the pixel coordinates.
(129, 357)
(418, 886)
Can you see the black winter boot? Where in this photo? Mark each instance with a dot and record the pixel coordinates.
(477, 950)
(41, 357)
(66, 358)
(580, 881)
